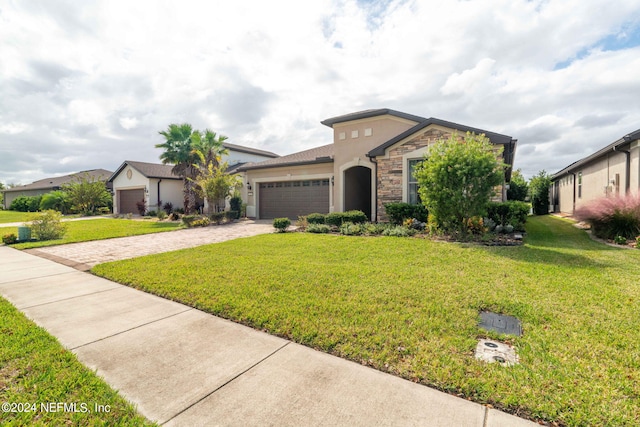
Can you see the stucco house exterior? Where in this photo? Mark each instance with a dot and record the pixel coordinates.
(369, 164)
(46, 185)
(156, 184)
(611, 171)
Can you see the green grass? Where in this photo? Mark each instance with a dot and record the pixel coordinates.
(411, 307)
(97, 229)
(36, 369)
(14, 216)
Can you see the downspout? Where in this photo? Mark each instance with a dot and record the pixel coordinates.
(627, 171)
(158, 198)
(375, 175)
(573, 210)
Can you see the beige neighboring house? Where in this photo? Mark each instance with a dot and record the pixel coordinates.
(155, 184)
(369, 164)
(612, 171)
(47, 185)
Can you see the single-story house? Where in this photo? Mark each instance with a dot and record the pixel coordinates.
(369, 164)
(47, 185)
(612, 171)
(156, 184)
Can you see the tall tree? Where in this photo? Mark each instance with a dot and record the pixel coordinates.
(457, 180)
(209, 148)
(518, 187)
(215, 185)
(178, 151)
(539, 192)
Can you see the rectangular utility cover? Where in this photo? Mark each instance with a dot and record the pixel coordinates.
(500, 323)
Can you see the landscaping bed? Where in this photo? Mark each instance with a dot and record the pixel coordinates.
(411, 307)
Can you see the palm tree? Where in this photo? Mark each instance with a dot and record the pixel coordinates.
(178, 151)
(209, 148)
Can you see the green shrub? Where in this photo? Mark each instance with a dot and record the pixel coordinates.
(316, 218)
(217, 217)
(26, 204)
(232, 215)
(372, 229)
(351, 229)
(162, 215)
(638, 242)
(168, 208)
(152, 213)
(620, 240)
(399, 231)
(281, 224)
(57, 200)
(337, 218)
(235, 205)
(47, 226)
(398, 212)
(195, 221)
(318, 228)
(510, 212)
(9, 239)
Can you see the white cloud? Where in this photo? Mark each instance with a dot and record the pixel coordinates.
(109, 74)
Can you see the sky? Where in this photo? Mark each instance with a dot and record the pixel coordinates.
(87, 85)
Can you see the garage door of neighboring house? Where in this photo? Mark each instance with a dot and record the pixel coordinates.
(291, 199)
(128, 200)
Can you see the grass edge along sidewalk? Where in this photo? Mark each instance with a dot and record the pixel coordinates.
(41, 383)
(410, 307)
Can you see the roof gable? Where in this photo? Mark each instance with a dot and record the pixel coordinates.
(149, 170)
(368, 114)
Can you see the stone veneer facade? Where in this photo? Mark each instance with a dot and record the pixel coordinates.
(390, 167)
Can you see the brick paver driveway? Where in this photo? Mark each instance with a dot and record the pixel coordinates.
(85, 255)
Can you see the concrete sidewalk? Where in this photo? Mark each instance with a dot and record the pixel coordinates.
(181, 366)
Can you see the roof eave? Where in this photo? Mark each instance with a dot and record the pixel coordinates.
(285, 165)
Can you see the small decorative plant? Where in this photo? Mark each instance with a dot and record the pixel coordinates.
(620, 240)
(9, 239)
(281, 224)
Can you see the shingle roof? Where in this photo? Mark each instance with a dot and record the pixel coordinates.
(149, 170)
(370, 113)
(58, 181)
(323, 154)
(249, 150)
(620, 142)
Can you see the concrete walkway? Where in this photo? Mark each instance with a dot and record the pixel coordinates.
(183, 367)
(85, 255)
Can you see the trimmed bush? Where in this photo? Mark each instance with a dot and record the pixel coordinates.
(338, 218)
(316, 218)
(47, 226)
(217, 217)
(162, 215)
(318, 228)
(235, 205)
(26, 204)
(351, 229)
(9, 239)
(195, 221)
(281, 224)
(612, 216)
(398, 212)
(509, 213)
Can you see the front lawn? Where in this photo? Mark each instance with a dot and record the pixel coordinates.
(411, 307)
(38, 377)
(97, 229)
(15, 216)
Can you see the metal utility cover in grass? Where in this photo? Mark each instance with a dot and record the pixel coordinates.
(500, 323)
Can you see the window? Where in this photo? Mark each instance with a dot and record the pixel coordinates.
(579, 185)
(412, 189)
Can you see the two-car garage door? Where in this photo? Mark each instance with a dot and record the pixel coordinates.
(291, 199)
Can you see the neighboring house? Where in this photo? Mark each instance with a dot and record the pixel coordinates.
(47, 185)
(611, 171)
(155, 184)
(369, 164)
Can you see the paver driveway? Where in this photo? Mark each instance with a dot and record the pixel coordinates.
(85, 255)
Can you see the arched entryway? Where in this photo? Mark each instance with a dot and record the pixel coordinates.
(357, 189)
